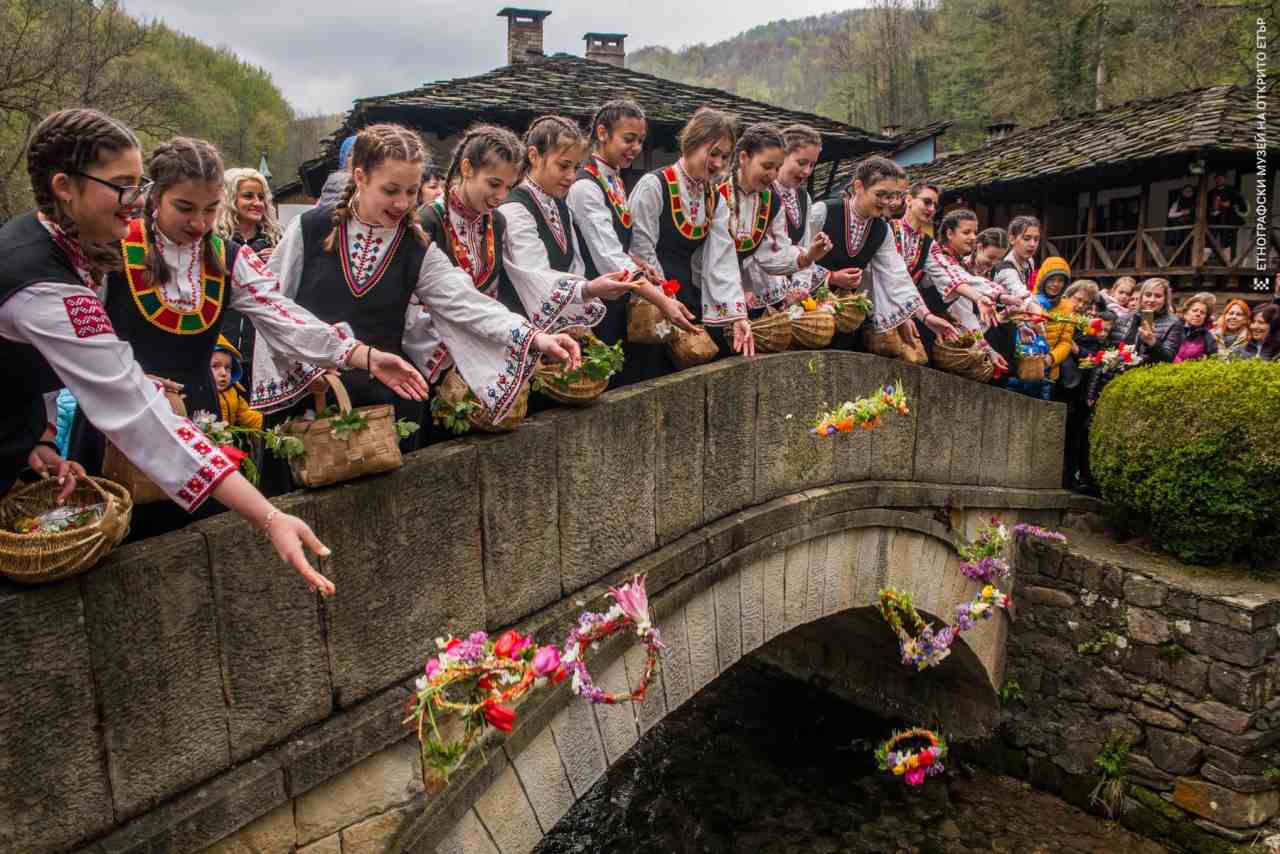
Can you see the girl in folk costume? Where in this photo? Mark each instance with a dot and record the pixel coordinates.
(988, 250)
(970, 300)
(86, 175)
(362, 262)
(860, 238)
(683, 233)
(603, 220)
(804, 147)
(766, 255)
(1017, 272)
(540, 248)
(179, 279)
(247, 218)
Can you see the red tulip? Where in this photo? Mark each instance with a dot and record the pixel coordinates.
(499, 717)
(451, 644)
(506, 644)
(671, 287)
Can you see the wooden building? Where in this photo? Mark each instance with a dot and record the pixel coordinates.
(532, 84)
(1103, 183)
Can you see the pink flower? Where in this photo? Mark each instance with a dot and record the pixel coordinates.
(634, 601)
(546, 660)
(915, 776)
(433, 667)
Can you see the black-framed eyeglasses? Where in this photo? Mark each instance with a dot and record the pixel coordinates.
(127, 196)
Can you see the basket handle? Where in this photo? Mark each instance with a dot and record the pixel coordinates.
(178, 404)
(339, 393)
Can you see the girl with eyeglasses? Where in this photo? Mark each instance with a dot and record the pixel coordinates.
(86, 175)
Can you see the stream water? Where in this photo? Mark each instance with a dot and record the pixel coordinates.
(761, 762)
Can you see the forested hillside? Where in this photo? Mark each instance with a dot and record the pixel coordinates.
(60, 53)
(908, 62)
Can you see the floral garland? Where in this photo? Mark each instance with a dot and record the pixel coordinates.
(913, 766)
(1083, 323)
(1123, 356)
(865, 412)
(631, 608)
(984, 557)
(475, 679)
(921, 645)
(1022, 529)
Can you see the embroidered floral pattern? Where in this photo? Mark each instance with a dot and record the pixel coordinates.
(364, 256)
(791, 204)
(762, 203)
(689, 223)
(909, 242)
(550, 213)
(613, 190)
(856, 228)
(72, 249)
(152, 303)
(87, 316)
(471, 241)
(213, 466)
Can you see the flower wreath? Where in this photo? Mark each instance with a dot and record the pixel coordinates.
(1035, 531)
(475, 679)
(984, 558)
(631, 608)
(865, 412)
(921, 645)
(913, 765)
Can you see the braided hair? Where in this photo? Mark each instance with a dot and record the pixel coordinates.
(74, 141)
(375, 145)
(481, 145)
(706, 127)
(798, 136)
(987, 238)
(952, 221)
(755, 139)
(608, 116)
(550, 133)
(875, 168)
(172, 162)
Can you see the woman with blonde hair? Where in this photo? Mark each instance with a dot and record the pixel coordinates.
(247, 217)
(1154, 329)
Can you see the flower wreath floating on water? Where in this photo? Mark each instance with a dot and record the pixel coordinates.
(476, 680)
(913, 765)
(631, 608)
(921, 645)
(864, 413)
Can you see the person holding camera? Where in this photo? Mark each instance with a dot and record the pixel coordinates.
(1155, 330)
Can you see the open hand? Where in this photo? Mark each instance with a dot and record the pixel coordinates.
(47, 463)
(397, 374)
(611, 285)
(677, 314)
(939, 327)
(289, 535)
(743, 341)
(559, 348)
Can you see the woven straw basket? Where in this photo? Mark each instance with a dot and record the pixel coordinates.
(690, 349)
(454, 389)
(972, 361)
(848, 318)
(39, 557)
(813, 330)
(331, 460)
(887, 344)
(643, 318)
(578, 393)
(1031, 368)
(117, 467)
(772, 332)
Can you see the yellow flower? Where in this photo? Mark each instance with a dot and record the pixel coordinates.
(810, 304)
(899, 769)
(988, 592)
(913, 761)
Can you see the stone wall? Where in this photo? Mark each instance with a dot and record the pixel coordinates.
(189, 684)
(1112, 642)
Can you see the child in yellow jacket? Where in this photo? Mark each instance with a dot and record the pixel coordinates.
(227, 370)
(1052, 281)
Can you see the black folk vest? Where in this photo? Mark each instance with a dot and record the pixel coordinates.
(767, 208)
(375, 310)
(679, 238)
(168, 341)
(836, 227)
(619, 214)
(795, 229)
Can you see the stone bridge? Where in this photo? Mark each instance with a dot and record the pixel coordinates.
(187, 695)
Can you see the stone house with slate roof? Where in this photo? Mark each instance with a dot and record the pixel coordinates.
(1103, 182)
(532, 84)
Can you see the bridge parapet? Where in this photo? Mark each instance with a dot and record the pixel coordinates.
(193, 665)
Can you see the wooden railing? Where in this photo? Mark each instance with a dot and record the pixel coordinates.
(1167, 251)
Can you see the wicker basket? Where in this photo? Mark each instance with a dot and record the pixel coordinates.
(813, 330)
(1031, 368)
(690, 349)
(848, 318)
(913, 351)
(887, 344)
(643, 318)
(454, 389)
(117, 467)
(971, 361)
(772, 332)
(578, 393)
(35, 558)
(328, 459)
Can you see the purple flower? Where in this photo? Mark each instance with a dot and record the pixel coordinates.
(472, 650)
(633, 600)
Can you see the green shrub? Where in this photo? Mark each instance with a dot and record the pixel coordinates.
(1189, 455)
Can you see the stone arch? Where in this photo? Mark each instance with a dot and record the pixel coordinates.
(807, 575)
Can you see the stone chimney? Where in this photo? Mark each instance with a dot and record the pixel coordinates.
(997, 131)
(524, 34)
(607, 47)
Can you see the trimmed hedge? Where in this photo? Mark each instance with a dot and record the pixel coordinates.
(1189, 455)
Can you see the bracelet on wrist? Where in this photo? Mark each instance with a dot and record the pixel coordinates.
(271, 517)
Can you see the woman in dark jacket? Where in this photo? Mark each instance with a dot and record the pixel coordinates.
(1160, 338)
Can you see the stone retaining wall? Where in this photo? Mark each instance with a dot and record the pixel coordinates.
(156, 702)
(1110, 642)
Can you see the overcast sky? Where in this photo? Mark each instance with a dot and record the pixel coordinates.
(324, 53)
